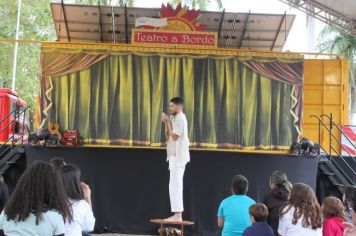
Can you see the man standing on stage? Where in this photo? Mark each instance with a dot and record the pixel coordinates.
(177, 154)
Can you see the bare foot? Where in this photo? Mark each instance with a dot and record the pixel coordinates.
(174, 218)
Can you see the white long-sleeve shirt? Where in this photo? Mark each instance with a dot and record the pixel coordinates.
(178, 150)
(83, 219)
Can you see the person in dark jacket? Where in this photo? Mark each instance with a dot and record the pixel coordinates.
(277, 198)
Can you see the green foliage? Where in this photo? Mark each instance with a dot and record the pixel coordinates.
(201, 4)
(333, 40)
(129, 3)
(36, 24)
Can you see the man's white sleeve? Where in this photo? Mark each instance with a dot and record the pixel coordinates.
(178, 127)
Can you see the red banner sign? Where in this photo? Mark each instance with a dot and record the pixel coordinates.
(158, 37)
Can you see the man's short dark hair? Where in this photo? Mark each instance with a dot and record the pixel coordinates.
(177, 100)
(239, 185)
(259, 211)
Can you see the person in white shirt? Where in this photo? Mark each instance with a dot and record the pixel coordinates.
(79, 195)
(177, 154)
(302, 215)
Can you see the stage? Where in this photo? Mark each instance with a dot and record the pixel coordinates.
(130, 185)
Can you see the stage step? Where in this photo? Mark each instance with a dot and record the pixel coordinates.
(334, 175)
(329, 173)
(10, 158)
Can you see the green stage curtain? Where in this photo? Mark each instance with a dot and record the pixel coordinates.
(119, 100)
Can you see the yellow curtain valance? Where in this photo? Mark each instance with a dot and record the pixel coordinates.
(58, 60)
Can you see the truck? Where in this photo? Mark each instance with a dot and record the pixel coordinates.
(14, 119)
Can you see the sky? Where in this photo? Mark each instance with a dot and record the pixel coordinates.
(297, 40)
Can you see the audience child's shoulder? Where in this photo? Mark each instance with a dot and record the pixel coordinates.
(53, 214)
(251, 201)
(223, 202)
(248, 231)
(228, 199)
(53, 217)
(84, 204)
(331, 222)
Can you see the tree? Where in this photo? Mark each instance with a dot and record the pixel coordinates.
(333, 40)
(121, 3)
(36, 24)
(201, 4)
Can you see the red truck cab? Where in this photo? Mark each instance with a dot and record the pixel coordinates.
(9, 102)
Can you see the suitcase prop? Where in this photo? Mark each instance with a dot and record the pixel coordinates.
(70, 137)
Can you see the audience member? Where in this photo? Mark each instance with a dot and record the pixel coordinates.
(302, 215)
(278, 197)
(38, 204)
(259, 227)
(350, 229)
(233, 214)
(4, 193)
(79, 195)
(347, 200)
(57, 163)
(334, 216)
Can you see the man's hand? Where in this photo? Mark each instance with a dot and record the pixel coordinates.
(165, 117)
(350, 230)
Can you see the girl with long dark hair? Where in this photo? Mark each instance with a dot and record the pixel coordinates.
(302, 215)
(38, 204)
(276, 198)
(79, 195)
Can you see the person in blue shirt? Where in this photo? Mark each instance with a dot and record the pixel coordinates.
(233, 213)
(259, 227)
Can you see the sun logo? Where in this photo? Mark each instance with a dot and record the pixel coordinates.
(180, 19)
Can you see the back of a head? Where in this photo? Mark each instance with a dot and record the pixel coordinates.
(239, 185)
(71, 180)
(301, 194)
(279, 178)
(38, 190)
(333, 207)
(259, 212)
(57, 163)
(303, 198)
